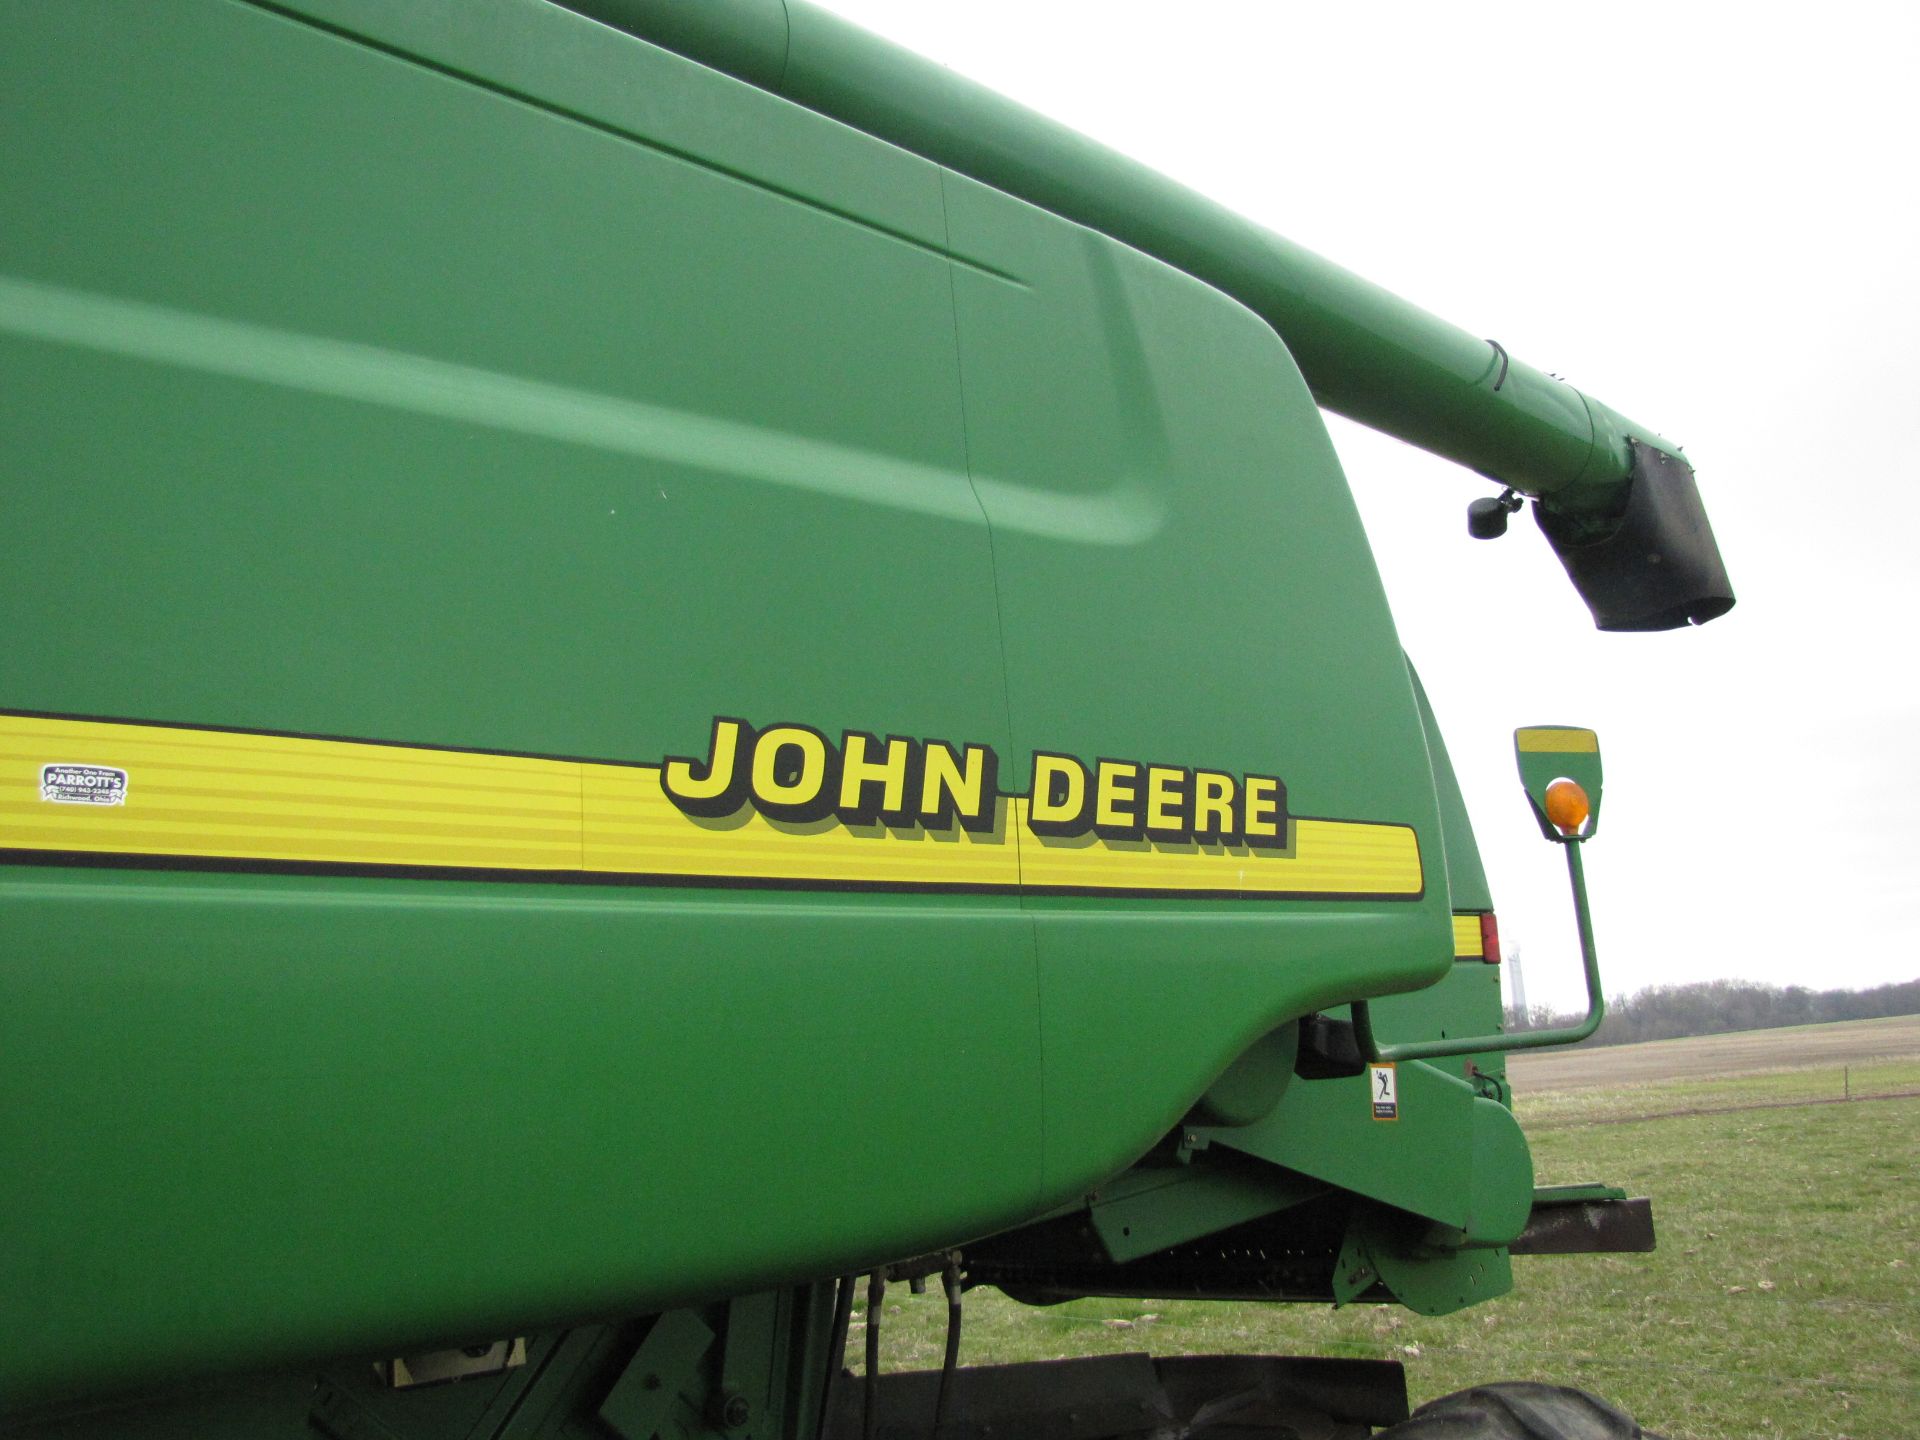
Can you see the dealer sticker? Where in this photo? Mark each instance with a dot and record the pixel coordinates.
(1384, 1088)
(83, 785)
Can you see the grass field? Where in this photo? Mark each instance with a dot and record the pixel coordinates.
(1780, 1302)
(1854, 1042)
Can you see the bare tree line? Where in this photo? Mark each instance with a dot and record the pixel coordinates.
(1710, 1007)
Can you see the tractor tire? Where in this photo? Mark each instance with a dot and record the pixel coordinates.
(1517, 1410)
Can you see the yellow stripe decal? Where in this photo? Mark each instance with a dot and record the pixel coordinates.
(1558, 740)
(211, 795)
(1467, 944)
(1328, 857)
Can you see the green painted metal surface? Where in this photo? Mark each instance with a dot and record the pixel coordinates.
(1546, 753)
(477, 385)
(1448, 1155)
(496, 381)
(660, 1375)
(1385, 1249)
(1367, 354)
(1466, 1002)
(1250, 1087)
(1151, 1210)
(1548, 756)
(1466, 876)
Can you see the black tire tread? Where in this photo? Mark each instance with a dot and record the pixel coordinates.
(1517, 1410)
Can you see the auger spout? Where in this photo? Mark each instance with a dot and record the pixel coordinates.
(1618, 503)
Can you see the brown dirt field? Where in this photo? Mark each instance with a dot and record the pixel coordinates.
(1846, 1042)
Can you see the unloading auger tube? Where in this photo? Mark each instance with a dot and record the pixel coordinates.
(1618, 504)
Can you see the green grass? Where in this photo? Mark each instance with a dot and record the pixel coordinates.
(1556, 1109)
(1780, 1302)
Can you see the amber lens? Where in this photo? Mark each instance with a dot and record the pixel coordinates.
(1567, 806)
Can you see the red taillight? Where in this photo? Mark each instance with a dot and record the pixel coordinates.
(1489, 939)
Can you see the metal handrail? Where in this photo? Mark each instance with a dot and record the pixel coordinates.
(1377, 1053)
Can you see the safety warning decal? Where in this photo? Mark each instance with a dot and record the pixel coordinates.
(1383, 1088)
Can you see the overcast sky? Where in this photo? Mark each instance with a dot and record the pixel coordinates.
(1704, 216)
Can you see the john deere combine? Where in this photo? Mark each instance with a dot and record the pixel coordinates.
(656, 656)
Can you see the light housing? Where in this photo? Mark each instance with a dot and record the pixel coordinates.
(1567, 805)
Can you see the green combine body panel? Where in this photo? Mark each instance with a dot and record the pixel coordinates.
(621, 692)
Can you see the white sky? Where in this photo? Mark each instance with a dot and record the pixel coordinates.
(1706, 216)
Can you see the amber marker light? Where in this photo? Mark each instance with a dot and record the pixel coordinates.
(1567, 806)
